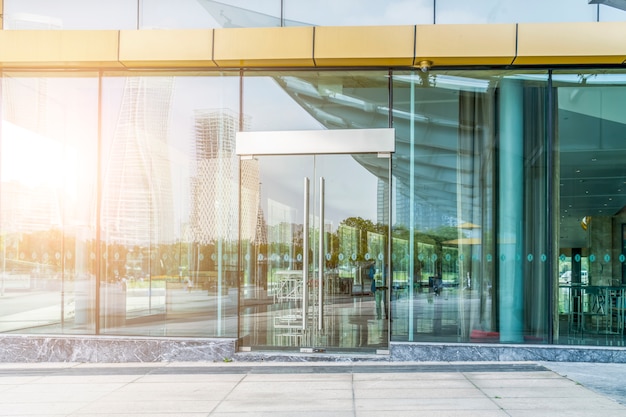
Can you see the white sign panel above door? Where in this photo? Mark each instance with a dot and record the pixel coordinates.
(294, 142)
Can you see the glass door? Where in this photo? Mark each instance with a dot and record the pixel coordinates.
(315, 266)
(351, 205)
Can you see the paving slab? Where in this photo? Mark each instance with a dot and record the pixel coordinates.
(516, 389)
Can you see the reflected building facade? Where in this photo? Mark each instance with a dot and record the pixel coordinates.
(137, 204)
(217, 170)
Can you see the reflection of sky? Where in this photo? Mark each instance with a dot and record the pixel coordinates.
(270, 108)
(360, 12)
(350, 191)
(122, 14)
(77, 14)
(508, 11)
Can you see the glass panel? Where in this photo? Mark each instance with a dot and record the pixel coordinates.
(611, 14)
(48, 160)
(455, 248)
(70, 14)
(357, 13)
(181, 14)
(273, 194)
(311, 100)
(591, 200)
(355, 251)
(505, 11)
(169, 205)
(286, 307)
(210, 14)
(308, 101)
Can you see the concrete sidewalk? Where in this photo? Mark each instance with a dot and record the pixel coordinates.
(302, 389)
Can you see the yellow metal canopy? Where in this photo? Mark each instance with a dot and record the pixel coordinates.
(317, 47)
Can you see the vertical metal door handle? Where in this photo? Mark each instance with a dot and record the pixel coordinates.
(320, 314)
(305, 252)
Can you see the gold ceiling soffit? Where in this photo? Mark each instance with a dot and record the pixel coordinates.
(313, 47)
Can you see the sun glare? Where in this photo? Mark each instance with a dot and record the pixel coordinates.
(33, 160)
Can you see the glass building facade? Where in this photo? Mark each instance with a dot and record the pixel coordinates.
(126, 207)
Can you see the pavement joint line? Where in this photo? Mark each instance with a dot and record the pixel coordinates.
(225, 397)
(133, 369)
(354, 406)
(485, 394)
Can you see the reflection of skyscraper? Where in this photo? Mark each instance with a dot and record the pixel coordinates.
(214, 199)
(137, 204)
(29, 209)
(260, 231)
(382, 202)
(26, 103)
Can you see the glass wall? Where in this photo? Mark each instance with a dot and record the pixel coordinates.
(358, 13)
(125, 210)
(189, 14)
(70, 14)
(48, 199)
(611, 14)
(194, 14)
(591, 200)
(505, 11)
(135, 221)
(469, 173)
(169, 215)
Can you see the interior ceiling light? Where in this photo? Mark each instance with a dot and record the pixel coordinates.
(618, 4)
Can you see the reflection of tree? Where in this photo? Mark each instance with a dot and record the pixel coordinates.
(430, 244)
(38, 252)
(361, 227)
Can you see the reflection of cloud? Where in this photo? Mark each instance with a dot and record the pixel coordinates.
(462, 11)
(323, 12)
(408, 12)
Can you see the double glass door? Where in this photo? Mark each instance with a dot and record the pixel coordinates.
(319, 240)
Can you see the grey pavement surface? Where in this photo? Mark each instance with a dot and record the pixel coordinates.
(605, 378)
(306, 389)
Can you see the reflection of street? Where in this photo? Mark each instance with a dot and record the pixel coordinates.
(142, 301)
(40, 311)
(23, 310)
(446, 317)
(349, 322)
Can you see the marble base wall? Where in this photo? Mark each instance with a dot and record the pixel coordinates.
(111, 349)
(433, 352)
(114, 349)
